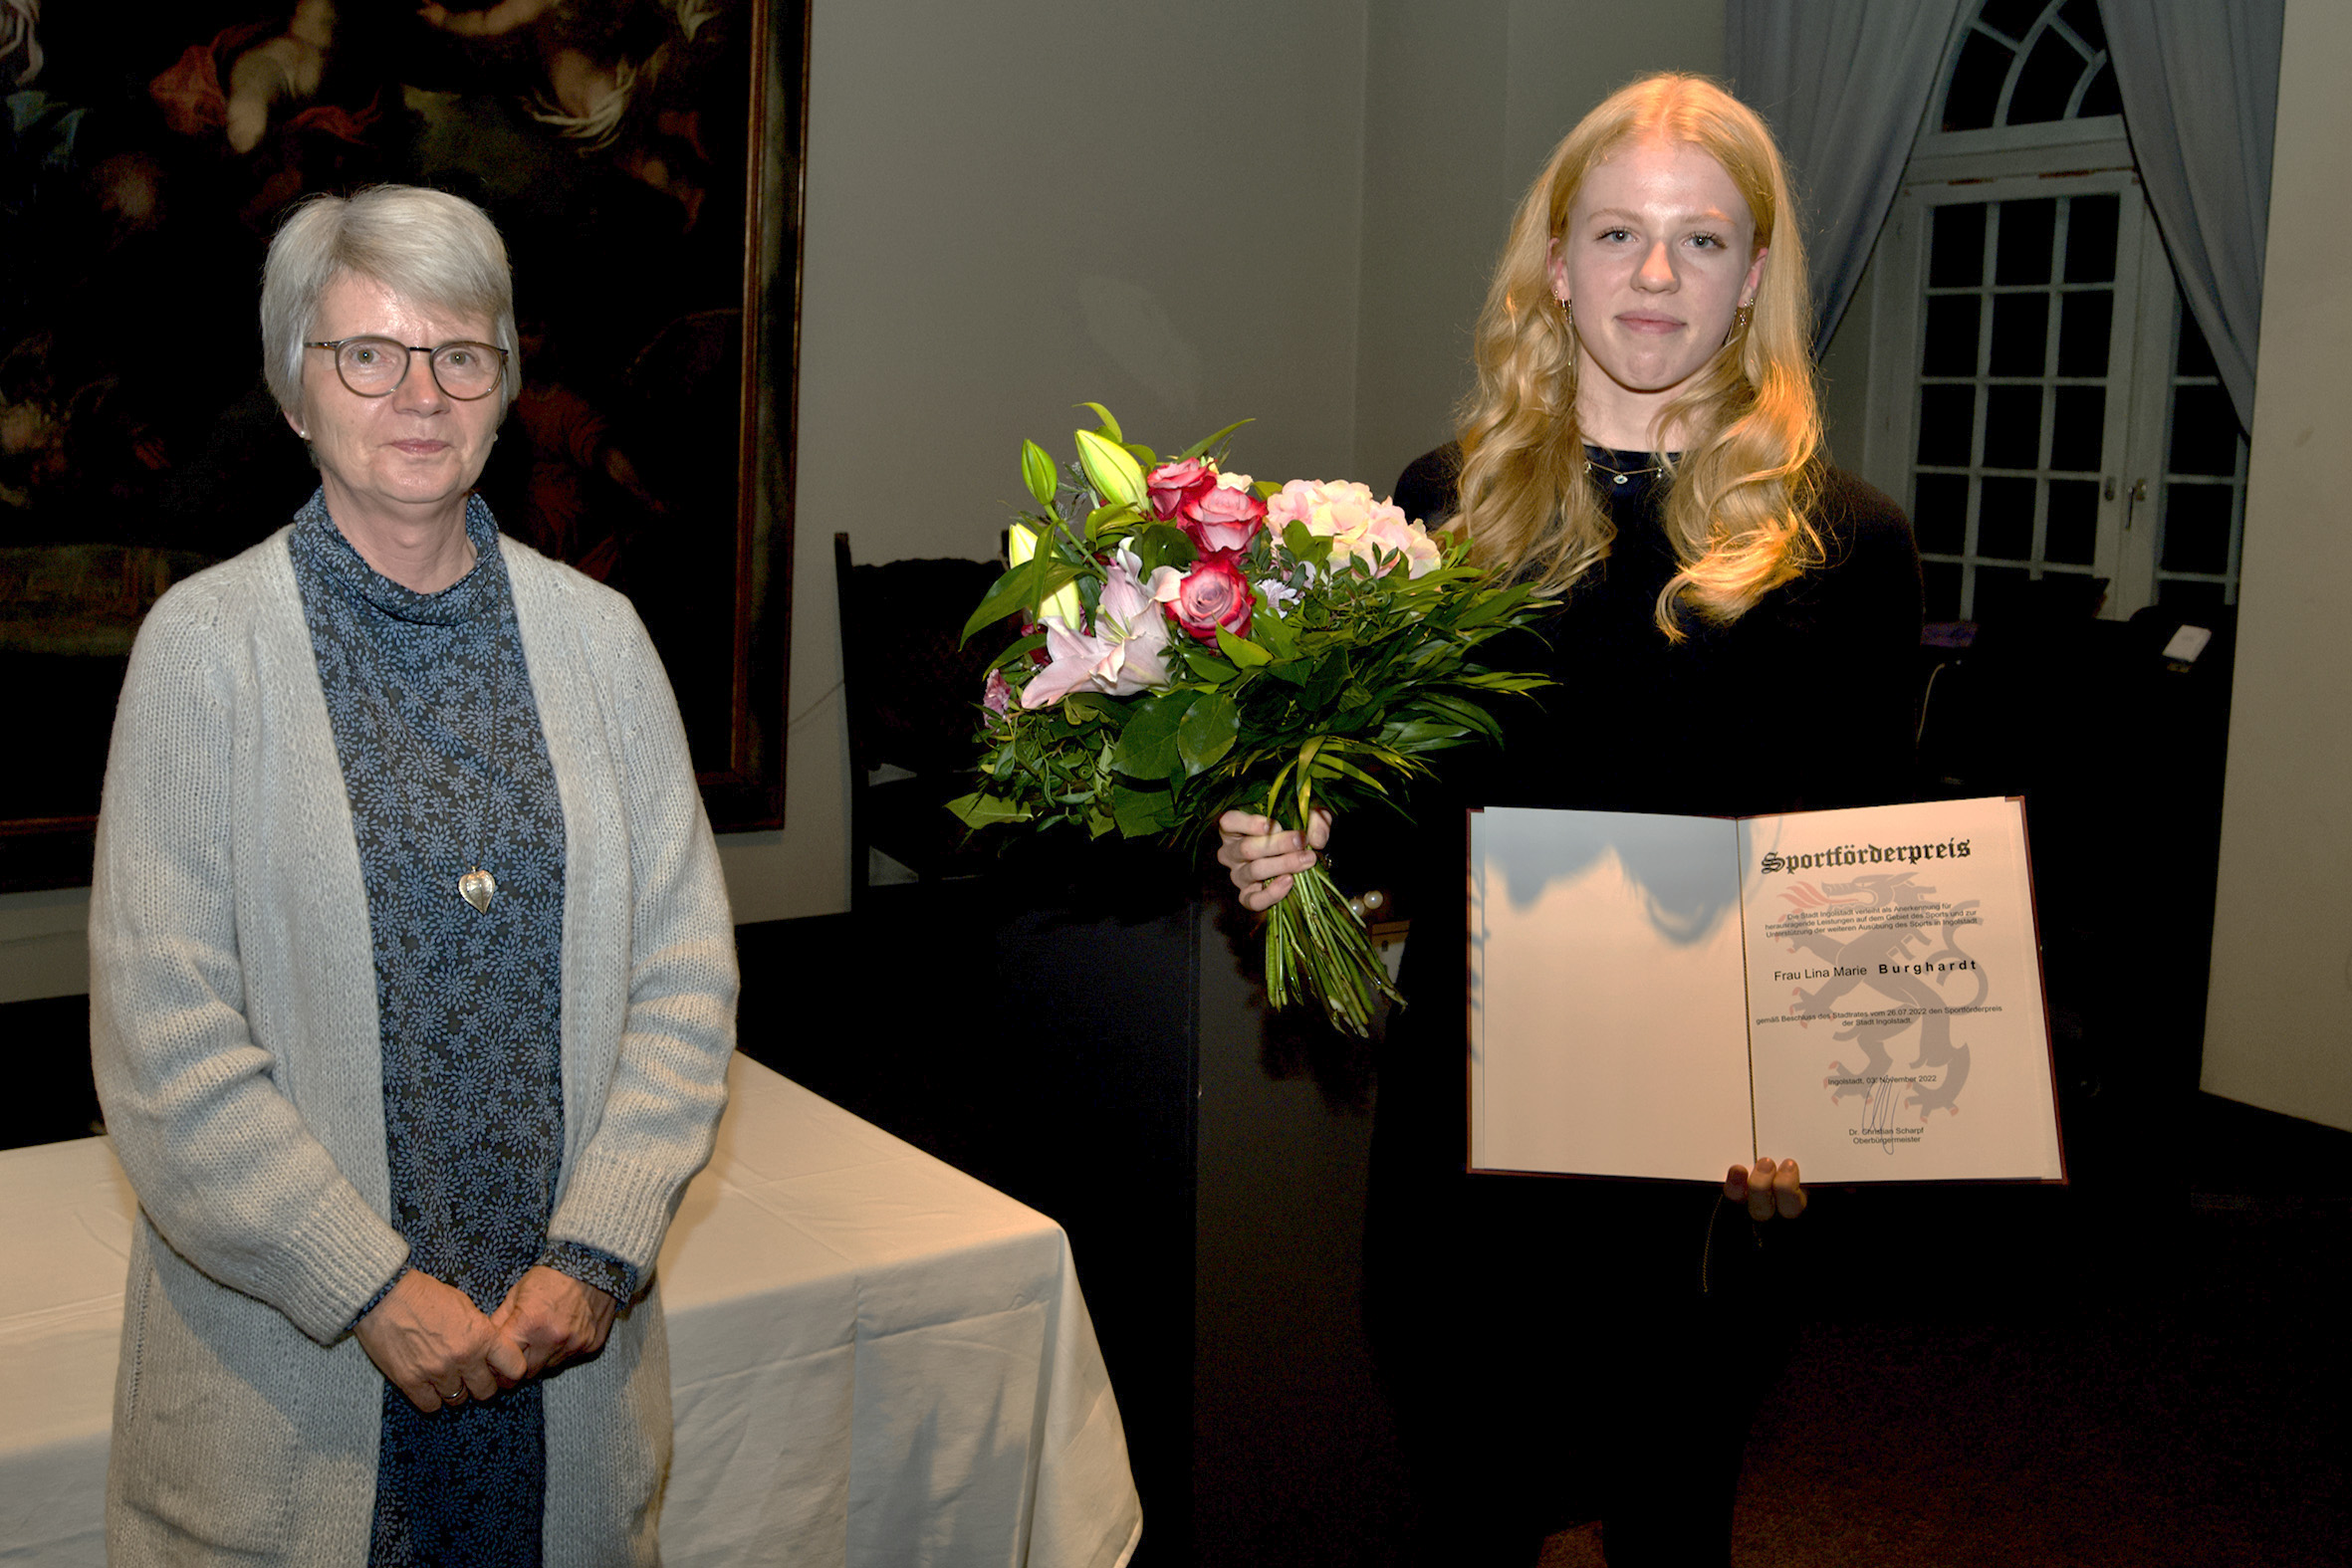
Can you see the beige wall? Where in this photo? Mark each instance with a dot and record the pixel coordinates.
(2278, 1031)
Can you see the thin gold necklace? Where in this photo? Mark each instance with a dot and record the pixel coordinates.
(1622, 476)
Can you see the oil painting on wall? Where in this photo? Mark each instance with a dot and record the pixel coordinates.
(642, 158)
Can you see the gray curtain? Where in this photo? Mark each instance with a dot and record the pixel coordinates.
(2200, 87)
(1843, 84)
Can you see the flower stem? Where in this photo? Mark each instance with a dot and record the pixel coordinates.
(1315, 946)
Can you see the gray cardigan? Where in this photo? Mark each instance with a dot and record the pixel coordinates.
(234, 1034)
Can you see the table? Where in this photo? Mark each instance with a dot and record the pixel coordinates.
(874, 1358)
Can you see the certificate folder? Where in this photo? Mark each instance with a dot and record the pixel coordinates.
(1859, 990)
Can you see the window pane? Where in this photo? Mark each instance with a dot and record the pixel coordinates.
(1955, 250)
(2090, 238)
(2000, 593)
(1952, 335)
(2196, 528)
(1940, 512)
(2191, 596)
(1976, 83)
(2013, 426)
(2101, 97)
(2070, 595)
(2013, 17)
(2046, 85)
(2027, 229)
(2084, 321)
(2083, 17)
(2196, 355)
(2071, 533)
(2075, 428)
(1942, 580)
(1946, 421)
(2205, 432)
(2005, 519)
(2021, 334)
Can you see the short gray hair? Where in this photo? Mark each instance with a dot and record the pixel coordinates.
(438, 250)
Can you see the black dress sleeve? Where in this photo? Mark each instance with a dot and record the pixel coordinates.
(1858, 614)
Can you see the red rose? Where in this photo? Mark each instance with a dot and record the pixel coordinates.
(1214, 593)
(1223, 518)
(1173, 484)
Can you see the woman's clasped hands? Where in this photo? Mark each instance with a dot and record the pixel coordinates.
(438, 1349)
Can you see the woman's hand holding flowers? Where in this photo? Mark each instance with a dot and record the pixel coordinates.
(1263, 856)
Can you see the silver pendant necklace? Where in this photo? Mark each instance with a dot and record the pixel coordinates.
(476, 887)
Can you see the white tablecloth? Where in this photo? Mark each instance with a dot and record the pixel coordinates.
(876, 1359)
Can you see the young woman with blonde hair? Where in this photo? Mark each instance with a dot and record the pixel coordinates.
(1737, 632)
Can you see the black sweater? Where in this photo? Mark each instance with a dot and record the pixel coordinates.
(1806, 700)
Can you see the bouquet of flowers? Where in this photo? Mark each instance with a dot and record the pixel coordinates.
(1199, 642)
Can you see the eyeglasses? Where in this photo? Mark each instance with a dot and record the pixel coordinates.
(375, 366)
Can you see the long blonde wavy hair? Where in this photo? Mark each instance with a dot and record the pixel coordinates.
(1738, 495)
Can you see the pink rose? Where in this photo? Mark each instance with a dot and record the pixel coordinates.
(1171, 484)
(1223, 517)
(1214, 593)
(995, 693)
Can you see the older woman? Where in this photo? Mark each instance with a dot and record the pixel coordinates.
(1645, 443)
(412, 978)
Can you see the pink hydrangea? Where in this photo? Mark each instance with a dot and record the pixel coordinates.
(1344, 513)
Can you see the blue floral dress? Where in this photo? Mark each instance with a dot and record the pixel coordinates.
(446, 768)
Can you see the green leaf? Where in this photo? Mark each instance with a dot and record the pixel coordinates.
(1110, 470)
(1144, 457)
(1158, 545)
(1207, 731)
(985, 810)
(1036, 471)
(1208, 667)
(1243, 654)
(1329, 764)
(1020, 652)
(1275, 634)
(1110, 428)
(1147, 746)
(1103, 517)
(1092, 708)
(1489, 608)
(1207, 441)
(1144, 814)
(1021, 587)
(1304, 544)
(1416, 735)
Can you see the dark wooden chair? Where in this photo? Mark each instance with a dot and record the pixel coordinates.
(912, 692)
